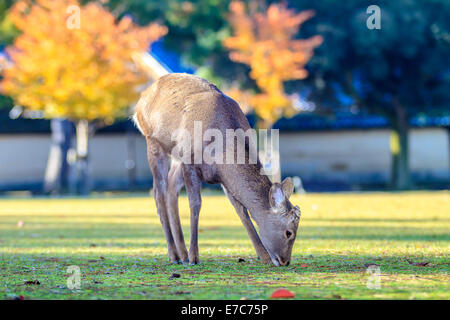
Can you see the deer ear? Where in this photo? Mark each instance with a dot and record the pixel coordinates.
(276, 196)
(288, 187)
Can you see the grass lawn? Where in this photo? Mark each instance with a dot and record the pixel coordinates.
(120, 249)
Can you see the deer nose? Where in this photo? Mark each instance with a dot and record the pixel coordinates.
(283, 263)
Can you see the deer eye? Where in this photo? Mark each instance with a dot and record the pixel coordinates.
(287, 234)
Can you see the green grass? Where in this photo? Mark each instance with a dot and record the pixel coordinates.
(120, 248)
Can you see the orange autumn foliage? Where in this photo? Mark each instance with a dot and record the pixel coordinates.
(264, 41)
(75, 71)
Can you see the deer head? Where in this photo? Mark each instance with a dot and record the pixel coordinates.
(278, 229)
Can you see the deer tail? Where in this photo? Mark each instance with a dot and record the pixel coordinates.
(137, 116)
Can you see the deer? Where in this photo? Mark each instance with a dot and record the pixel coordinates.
(175, 101)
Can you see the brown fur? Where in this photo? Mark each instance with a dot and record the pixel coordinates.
(175, 101)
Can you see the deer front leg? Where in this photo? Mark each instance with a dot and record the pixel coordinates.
(193, 185)
(246, 221)
(175, 185)
(159, 165)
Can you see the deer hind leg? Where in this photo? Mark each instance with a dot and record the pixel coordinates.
(159, 165)
(247, 222)
(193, 185)
(175, 184)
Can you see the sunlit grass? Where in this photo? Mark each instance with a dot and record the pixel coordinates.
(119, 245)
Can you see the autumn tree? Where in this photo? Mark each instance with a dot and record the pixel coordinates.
(75, 61)
(265, 41)
(7, 29)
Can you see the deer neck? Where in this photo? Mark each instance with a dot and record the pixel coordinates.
(251, 188)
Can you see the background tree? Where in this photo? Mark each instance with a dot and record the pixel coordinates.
(72, 61)
(7, 28)
(7, 34)
(57, 172)
(265, 41)
(196, 30)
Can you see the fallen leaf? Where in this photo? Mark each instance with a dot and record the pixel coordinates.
(174, 275)
(282, 293)
(303, 265)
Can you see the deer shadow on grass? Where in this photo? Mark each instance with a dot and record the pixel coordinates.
(136, 235)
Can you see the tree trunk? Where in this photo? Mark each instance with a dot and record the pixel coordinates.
(400, 175)
(83, 185)
(56, 174)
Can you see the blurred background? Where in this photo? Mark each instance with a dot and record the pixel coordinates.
(360, 91)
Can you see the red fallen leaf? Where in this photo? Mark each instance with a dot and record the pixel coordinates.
(21, 297)
(282, 293)
(303, 265)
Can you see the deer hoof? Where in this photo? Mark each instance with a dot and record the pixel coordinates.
(194, 261)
